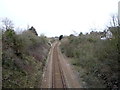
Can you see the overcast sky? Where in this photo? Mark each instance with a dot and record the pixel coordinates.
(56, 17)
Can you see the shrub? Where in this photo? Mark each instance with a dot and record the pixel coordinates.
(98, 58)
(23, 56)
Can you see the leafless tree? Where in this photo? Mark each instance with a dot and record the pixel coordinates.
(114, 21)
(7, 24)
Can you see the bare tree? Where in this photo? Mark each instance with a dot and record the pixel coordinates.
(114, 21)
(7, 24)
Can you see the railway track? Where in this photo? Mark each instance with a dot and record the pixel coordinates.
(58, 79)
(58, 72)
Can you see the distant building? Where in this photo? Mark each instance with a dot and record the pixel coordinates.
(108, 35)
(103, 38)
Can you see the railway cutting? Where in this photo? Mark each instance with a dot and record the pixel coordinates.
(58, 72)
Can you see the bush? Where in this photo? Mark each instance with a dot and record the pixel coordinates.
(98, 58)
(23, 56)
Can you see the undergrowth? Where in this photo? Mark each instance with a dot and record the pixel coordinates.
(96, 60)
(23, 59)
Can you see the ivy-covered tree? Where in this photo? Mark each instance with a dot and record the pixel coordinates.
(33, 30)
(61, 36)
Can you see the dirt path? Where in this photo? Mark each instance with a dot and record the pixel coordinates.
(58, 72)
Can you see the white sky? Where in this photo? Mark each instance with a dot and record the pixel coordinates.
(56, 17)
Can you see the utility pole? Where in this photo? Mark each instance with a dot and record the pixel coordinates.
(119, 12)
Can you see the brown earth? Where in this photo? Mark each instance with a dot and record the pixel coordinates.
(58, 73)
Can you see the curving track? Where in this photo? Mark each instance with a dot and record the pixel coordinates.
(58, 79)
(58, 72)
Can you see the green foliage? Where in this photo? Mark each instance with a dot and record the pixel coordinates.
(97, 58)
(9, 37)
(23, 57)
(0, 48)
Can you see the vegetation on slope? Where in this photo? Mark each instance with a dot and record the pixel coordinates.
(23, 59)
(95, 60)
(0, 59)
